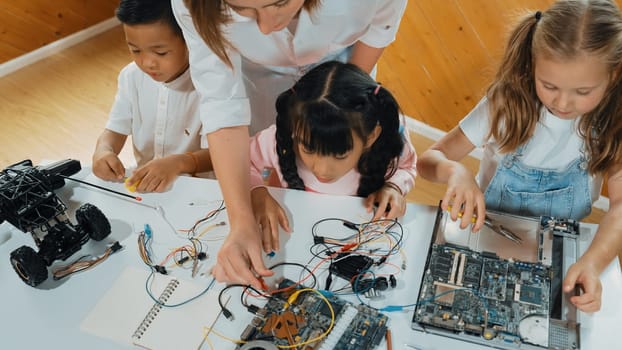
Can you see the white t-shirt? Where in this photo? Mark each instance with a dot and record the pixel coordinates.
(554, 144)
(162, 118)
(266, 65)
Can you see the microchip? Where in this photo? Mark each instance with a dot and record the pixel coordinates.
(325, 311)
(530, 295)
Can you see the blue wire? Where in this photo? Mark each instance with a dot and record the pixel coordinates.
(392, 308)
(148, 230)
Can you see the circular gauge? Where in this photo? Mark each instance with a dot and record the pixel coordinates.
(534, 329)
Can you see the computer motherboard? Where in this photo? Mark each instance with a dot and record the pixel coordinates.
(485, 296)
(479, 297)
(356, 327)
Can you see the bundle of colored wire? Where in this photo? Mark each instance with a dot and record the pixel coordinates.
(180, 255)
(144, 245)
(145, 238)
(208, 228)
(81, 265)
(208, 217)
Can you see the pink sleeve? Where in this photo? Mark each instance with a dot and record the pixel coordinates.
(263, 156)
(406, 172)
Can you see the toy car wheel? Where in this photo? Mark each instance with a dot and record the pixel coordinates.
(93, 221)
(30, 267)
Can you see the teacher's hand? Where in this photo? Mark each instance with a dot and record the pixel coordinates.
(239, 258)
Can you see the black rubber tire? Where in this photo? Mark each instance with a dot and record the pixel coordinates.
(93, 221)
(29, 266)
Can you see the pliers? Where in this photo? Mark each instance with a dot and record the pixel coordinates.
(499, 229)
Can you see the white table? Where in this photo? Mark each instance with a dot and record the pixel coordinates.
(48, 317)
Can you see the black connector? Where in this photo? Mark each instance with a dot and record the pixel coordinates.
(160, 269)
(227, 314)
(351, 225)
(318, 239)
(183, 260)
(115, 247)
(252, 309)
(202, 256)
(392, 281)
(329, 281)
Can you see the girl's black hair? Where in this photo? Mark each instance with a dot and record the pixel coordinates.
(133, 12)
(324, 108)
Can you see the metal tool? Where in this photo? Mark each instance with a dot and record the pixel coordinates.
(499, 229)
(496, 227)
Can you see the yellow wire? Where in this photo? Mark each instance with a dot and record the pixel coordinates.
(292, 298)
(206, 340)
(205, 230)
(207, 330)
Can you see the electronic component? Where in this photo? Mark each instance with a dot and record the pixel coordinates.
(505, 293)
(348, 266)
(308, 317)
(504, 303)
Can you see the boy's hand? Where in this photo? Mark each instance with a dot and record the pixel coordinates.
(156, 176)
(466, 200)
(107, 166)
(391, 203)
(269, 215)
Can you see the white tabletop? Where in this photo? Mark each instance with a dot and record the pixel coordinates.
(48, 317)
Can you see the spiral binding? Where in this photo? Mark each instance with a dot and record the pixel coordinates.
(155, 309)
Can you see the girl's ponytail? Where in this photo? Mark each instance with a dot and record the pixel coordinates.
(380, 161)
(514, 104)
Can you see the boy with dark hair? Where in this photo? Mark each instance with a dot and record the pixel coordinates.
(156, 104)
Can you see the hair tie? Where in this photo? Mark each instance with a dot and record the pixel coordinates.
(377, 89)
(538, 16)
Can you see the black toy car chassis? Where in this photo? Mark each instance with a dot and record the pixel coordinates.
(28, 202)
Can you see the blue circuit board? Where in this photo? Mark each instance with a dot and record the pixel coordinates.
(355, 327)
(481, 295)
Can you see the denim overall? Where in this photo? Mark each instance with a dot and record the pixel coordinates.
(522, 190)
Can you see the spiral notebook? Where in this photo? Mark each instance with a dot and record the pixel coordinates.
(127, 315)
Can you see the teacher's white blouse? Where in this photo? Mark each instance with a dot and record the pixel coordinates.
(266, 65)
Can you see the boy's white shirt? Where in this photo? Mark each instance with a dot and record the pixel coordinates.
(554, 145)
(162, 118)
